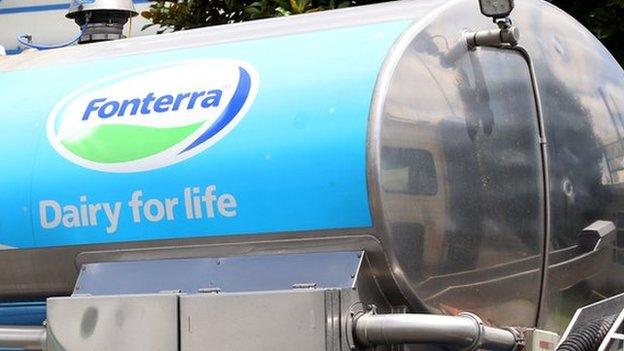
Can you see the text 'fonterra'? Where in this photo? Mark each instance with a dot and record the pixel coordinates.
(106, 108)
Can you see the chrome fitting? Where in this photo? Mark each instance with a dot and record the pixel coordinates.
(493, 37)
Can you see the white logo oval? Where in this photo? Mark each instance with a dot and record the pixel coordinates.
(154, 116)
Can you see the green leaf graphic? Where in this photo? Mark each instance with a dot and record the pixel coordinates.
(123, 143)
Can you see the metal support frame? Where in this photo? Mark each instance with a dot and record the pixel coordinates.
(313, 317)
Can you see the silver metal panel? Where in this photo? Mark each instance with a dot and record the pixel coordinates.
(280, 321)
(477, 222)
(582, 90)
(121, 323)
(224, 274)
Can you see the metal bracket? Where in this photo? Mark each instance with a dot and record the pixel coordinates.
(214, 290)
(304, 286)
(477, 340)
(227, 274)
(356, 310)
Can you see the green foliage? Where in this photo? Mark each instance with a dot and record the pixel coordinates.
(605, 18)
(276, 8)
(187, 14)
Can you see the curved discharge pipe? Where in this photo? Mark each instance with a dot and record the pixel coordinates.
(462, 332)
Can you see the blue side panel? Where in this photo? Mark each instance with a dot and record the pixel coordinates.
(22, 313)
(295, 162)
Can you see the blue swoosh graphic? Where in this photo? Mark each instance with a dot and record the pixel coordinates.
(232, 109)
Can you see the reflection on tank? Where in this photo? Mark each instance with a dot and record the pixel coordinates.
(469, 123)
(582, 89)
(479, 138)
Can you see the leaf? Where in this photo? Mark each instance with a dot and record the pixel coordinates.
(344, 4)
(147, 26)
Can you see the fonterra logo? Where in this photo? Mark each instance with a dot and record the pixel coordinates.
(153, 117)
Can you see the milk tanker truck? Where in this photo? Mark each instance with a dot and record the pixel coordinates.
(406, 176)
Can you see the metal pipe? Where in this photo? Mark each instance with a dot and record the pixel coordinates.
(499, 339)
(23, 337)
(541, 124)
(463, 332)
(473, 43)
(493, 37)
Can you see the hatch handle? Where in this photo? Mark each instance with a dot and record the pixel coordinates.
(596, 236)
